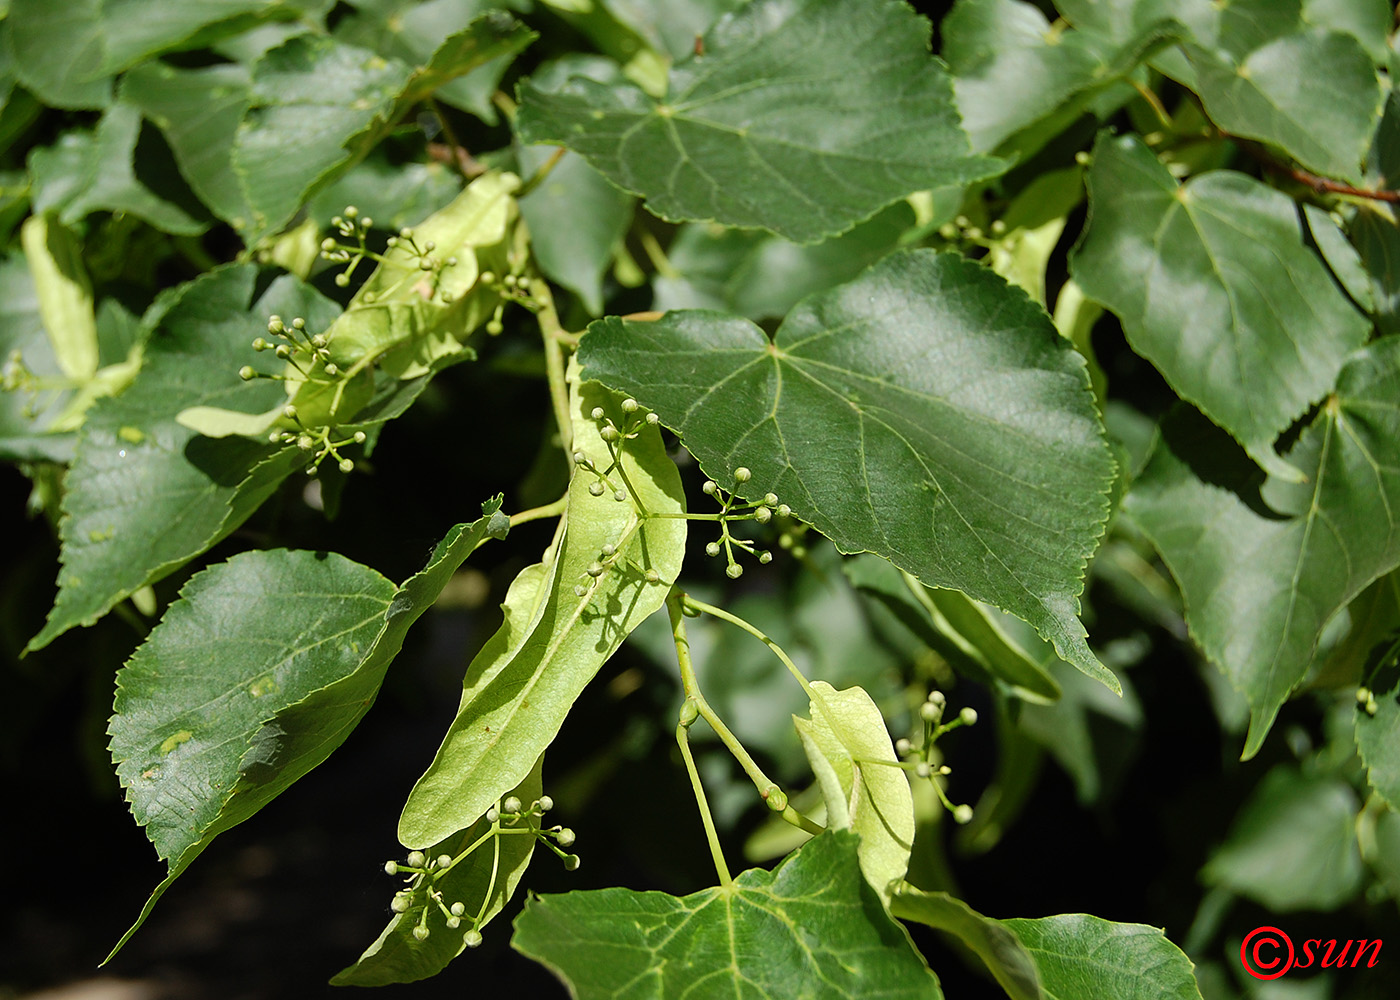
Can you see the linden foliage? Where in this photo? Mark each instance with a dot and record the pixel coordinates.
(875, 294)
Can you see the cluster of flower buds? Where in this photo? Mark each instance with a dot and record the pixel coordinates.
(423, 874)
(15, 376)
(615, 438)
(961, 230)
(918, 757)
(1366, 701)
(512, 288)
(733, 509)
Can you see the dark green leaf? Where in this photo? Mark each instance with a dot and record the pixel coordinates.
(394, 195)
(1215, 287)
(747, 135)
(145, 494)
(1002, 952)
(812, 927)
(1080, 957)
(254, 677)
(523, 682)
(1013, 70)
(1341, 257)
(87, 172)
(671, 26)
(1377, 239)
(979, 461)
(1293, 844)
(1263, 569)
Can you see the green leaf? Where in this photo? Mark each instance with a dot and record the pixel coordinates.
(55, 263)
(1324, 119)
(87, 172)
(670, 26)
(1214, 286)
(1293, 844)
(964, 632)
(145, 494)
(399, 957)
(1262, 569)
(1081, 957)
(999, 949)
(846, 736)
(67, 53)
(1376, 236)
(522, 684)
(26, 415)
(978, 464)
(394, 195)
(748, 136)
(989, 43)
(811, 927)
(1341, 257)
(211, 724)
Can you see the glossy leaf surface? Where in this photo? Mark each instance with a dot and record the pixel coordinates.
(748, 135)
(925, 411)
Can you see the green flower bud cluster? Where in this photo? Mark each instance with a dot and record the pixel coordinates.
(918, 758)
(15, 376)
(962, 230)
(513, 287)
(1366, 701)
(733, 509)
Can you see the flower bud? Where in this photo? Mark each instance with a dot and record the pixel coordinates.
(708, 487)
(420, 933)
(930, 712)
(289, 411)
(595, 569)
(712, 549)
(305, 442)
(763, 515)
(923, 769)
(597, 413)
(360, 437)
(416, 859)
(619, 496)
(346, 466)
(653, 576)
(571, 863)
(962, 814)
(784, 510)
(545, 803)
(902, 746)
(564, 838)
(332, 369)
(765, 558)
(771, 499)
(494, 327)
(734, 571)
(511, 804)
(742, 475)
(472, 939)
(247, 374)
(391, 868)
(595, 488)
(629, 405)
(968, 716)
(492, 815)
(400, 904)
(444, 861)
(457, 909)
(453, 923)
(653, 419)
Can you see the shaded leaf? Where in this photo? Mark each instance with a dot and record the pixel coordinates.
(254, 677)
(1081, 957)
(523, 682)
(747, 136)
(979, 462)
(25, 416)
(1293, 844)
(1376, 236)
(846, 734)
(998, 948)
(55, 258)
(85, 172)
(1214, 286)
(671, 26)
(1260, 586)
(145, 494)
(1341, 257)
(811, 927)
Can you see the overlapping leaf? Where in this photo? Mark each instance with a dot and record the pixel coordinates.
(998, 948)
(812, 927)
(261, 669)
(1263, 569)
(1082, 957)
(925, 411)
(145, 494)
(1215, 287)
(521, 685)
(802, 117)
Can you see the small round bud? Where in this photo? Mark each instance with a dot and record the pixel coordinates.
(1083, 158)
(444, 861)
(902, 746)
(332, 369)
(784, 510)
(565, 837)
(319, 341)
(274, 324)
(571, 863)
(962, 814)
(509, 281)
(487, 277)
(247, 374)
(653, 576)
(328, 244)
(453, 923)
(511, 804)
(426, 264)
(733, 571)
(610, 433)
(451, 262)
(492, 815)
(968, 716)
(360, 437)
(608, 548)
(351, 211)
(690, 711)
(998, 228)
(776, 798)
(929, 712)
(298, 323)
(399, 904)
(948, 231)
(923, 769)
(494, 327)
(283, 351)
(580, 458)
(1363, 695)
(430, 246)
(289, 411)
(742, 474)
(653, 419)
(545, 803)
(392, 241)
(367, 222)
(974, 233)
(765, 557)
(763, 515)
(305, 442)
(580, 590)
(629, 405)
(708, 487)
(595, 569)
(275, 436)
(472, 939)
(595, 488)
(405, 233)
(391, 868)
(712, 549)
(342, 280)
(420, 933)
(597, 413)
(619, 496)
(937, 698)
(346, 466)
(260, 344)
(771, 499)
(457, 909)
(799, 552)
(416, 859)
(962, 222)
